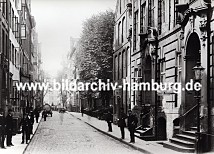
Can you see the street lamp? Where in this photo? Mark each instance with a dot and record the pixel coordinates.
(154, 57)
(198, 71)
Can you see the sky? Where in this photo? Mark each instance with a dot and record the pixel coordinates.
(57, 21)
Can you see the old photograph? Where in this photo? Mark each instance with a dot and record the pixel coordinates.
(106, 76)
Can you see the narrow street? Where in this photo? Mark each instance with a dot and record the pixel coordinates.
(63, 133)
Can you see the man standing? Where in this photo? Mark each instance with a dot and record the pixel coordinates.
(36, 112)
(9, 127)
(82, 110)
(132, 124)
(31, 114)
(25, 124)
(44, 114)
(122, 123)
(2, 129)
(109, 119)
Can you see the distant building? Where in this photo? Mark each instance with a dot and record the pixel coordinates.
(73, 75)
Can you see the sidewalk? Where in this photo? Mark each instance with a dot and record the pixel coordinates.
(148, 147)
(18, 148)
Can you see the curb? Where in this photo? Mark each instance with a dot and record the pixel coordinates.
(116, 138)
(32, 136)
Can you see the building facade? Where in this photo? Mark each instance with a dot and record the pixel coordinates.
(121, 57)
(168, 39)
(18, 46)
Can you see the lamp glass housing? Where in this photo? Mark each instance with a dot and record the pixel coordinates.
(198, 70)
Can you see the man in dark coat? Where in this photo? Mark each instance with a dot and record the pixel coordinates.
(82, 110)
(9, 127)
(31, 114)
(25, 124)
(2, 129)
(36, 112)
(44, 114)
(132, 124)
(109, 120)
(122, 123)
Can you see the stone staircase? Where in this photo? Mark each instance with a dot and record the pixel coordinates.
(144, 133)
(184, 142)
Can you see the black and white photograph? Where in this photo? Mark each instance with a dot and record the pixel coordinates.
(106, 76)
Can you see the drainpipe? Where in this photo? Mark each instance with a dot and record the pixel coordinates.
(208, 71)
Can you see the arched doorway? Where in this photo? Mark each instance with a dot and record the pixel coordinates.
(161, 134)
(192, 57)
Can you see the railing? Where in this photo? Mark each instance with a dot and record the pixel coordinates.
(146, 114)
(189, 118)
(184, 115)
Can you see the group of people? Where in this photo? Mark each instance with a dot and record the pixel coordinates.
(132, 121)
(7, 126)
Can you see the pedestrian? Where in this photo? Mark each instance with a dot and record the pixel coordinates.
(82, 110)
(2, 129)
(132, 124)
(122, 123)
(9, 127)
(31, 115)
(25, 125)
(36, 113)
(44, 114)
(109, 119)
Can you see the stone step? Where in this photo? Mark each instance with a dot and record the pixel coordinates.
(193, 129)
(190, 133)
(182, 142)
(145, 138)
(186, 137)
(141, 131)
(178, 148)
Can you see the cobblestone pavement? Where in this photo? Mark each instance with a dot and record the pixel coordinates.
(65, 134)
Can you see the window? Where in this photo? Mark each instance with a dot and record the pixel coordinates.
(13, 57)
(4, 9)
(161, 14)
(123, 28)
(169, 14)
(119, 33)
(175, 12)
(120, 6)
(127, 56)
(135, 29)
(119, 66)
(12, 21)
(23, 31)
(124, 64)
(151, 13)
(163, 10)
(143, 18)
(115, 68)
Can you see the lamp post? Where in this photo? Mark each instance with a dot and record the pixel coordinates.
(198, 71)
(155, 56)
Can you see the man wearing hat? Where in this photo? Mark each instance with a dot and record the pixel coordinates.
(132, 124)
(9, 127)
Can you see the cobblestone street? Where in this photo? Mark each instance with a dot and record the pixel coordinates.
(63, 133)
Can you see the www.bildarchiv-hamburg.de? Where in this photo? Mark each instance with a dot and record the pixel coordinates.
(74, 85)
